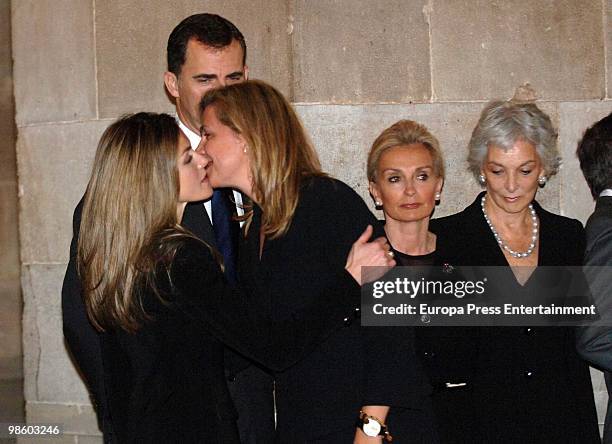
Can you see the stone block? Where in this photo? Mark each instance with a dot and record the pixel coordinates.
(131, 47)
(9, 232)
(11, 367)
(5, 37)
(76, 419)
(483, 49)
(10, 329)
(575, 118)
(54, 163)
(355, 51)
(601, 394)
(49, 373)
(266, 27)
(11, 400)
(85, 439)
(62, 439)
(344, 134)
(53, 50)
(8, 163)
(8, 166)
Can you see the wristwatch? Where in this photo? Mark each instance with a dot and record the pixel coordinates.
(372, 426)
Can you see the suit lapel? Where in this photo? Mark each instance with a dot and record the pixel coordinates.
(604, 205)
(196, 220)
(599, 222)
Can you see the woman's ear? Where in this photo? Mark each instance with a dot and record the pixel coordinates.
(440, 185)
(242, 142)
(482, 179)
(375, 193)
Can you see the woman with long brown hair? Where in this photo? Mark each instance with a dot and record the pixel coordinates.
(158, 296)
(298, 230)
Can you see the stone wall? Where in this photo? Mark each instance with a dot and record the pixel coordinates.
(351, 66)
(11, 400)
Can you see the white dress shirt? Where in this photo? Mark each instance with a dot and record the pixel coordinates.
(194, 140)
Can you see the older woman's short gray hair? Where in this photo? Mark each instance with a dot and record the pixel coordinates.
(503, 123)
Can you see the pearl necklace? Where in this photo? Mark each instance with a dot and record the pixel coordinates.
(500, 241)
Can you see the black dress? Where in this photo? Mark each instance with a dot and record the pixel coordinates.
(319, 398)
(166, 383)
(524, 384)
(409, 260)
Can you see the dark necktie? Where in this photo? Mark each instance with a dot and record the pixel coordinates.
(226, 230)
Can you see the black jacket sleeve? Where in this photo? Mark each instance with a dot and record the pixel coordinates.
(200, 290)
(594, 342)
(391, 371)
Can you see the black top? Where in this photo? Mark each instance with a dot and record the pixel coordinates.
(523, 384)
(166, 382)
(408, 260)
(116, 366)
(320, 397)
(82, 339)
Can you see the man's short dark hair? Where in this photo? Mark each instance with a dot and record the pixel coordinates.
(209, 29)
(595, 155)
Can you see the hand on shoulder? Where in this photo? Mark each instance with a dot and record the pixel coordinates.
(363, 253)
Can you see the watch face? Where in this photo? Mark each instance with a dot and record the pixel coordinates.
(372, 428)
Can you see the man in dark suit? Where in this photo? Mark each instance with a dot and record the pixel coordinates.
(595, 341)
(204, 51)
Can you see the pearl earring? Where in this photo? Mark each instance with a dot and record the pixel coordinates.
(482, 179)
(378, 203)
(542, 181)
(437, 197)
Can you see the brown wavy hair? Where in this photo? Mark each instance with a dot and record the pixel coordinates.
(129, 220)
(280, 151)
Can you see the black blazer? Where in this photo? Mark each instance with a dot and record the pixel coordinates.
(82, 339)
(524, 384)
(166, 382)
(319, 398)
(595, 342)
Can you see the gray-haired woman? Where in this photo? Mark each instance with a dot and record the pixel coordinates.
(511, 384)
